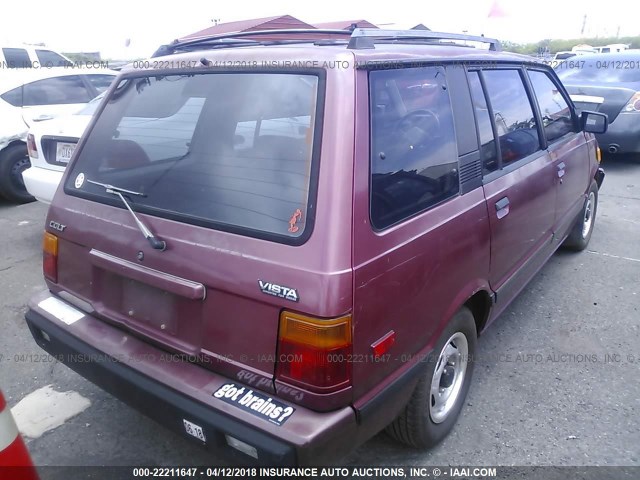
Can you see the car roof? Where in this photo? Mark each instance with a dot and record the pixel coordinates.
(26, 46)
(15, 77)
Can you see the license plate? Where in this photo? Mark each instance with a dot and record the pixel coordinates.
(64, 152)
(194, 430)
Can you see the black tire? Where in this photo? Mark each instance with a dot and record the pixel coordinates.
(415, 426)
(13, 161)
(580, 234)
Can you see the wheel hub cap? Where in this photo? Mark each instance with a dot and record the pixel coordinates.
(588, 215)
(448, 377)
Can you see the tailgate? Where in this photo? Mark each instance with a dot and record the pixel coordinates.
(216, 315)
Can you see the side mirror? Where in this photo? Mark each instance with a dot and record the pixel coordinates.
(594, 122)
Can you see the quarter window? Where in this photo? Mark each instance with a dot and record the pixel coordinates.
(14, 97)
(414, 163)
(512, 113)
(554, 109)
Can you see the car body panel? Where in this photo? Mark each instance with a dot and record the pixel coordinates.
(570, 155)
(520, 230)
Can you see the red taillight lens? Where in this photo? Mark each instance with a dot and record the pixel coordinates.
(31, 146)
(314, 353)
(50, 256)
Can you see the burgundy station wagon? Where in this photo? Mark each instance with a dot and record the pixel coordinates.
(281, 247)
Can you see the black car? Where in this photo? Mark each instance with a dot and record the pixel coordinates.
(608, 83)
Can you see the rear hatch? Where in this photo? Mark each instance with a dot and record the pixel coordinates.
(221, 169)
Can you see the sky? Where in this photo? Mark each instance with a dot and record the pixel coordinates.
(125, 29)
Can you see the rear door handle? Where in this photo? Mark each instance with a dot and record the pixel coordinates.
(502, 207)
(561, 167)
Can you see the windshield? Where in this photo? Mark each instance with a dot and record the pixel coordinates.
(601, 69)
(225, 150)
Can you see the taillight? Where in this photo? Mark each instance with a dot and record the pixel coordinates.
(634, 104)
(314, 353)
(31, 146)
(50, 256)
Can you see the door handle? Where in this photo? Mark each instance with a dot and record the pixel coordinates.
(502, 207)
(561, 172)
(42, 118)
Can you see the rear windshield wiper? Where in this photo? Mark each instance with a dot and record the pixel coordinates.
(153, 240)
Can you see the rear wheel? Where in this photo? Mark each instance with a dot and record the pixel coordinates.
(13, 161)
(581, 232)
(440, 393)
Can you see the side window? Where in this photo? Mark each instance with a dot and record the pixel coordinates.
(47, 58)
(512, 113)
(14, 97)
(16, 58)
(56, 91)
(100, 82)
(554, 109)
(414, 159)
(488, 151)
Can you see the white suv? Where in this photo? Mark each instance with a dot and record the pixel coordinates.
(27, 56)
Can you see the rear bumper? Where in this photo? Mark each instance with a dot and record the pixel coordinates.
(171, 391)
(42, 182)
(623, 135)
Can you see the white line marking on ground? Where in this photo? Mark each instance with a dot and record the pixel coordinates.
(46, 409)
(614, 256)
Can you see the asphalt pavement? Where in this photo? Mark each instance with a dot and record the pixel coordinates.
(556, 380)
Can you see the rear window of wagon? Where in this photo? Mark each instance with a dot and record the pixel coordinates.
(235, 151)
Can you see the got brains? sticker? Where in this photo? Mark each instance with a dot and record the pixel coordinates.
(255, 403)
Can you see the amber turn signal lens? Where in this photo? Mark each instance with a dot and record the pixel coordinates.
(315, 332)
(50, 256)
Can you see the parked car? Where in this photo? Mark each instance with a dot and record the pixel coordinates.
(29, 96)
(51, 144)
(612, 48)
(31, 56)
(564, 55)
(285, 293)
(609, 83)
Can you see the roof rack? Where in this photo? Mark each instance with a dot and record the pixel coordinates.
(222, 40)
(358, 38)
(365, 37)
